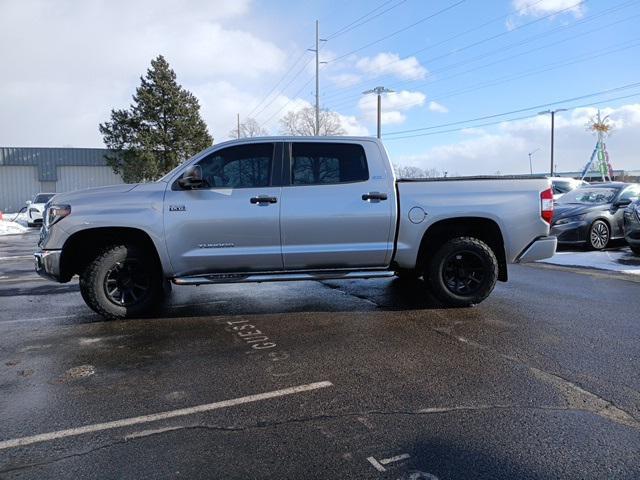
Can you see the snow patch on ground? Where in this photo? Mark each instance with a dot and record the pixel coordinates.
(622, 260)
(11, 228)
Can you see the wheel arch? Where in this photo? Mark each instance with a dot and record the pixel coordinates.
(482, 228)
(83, 246)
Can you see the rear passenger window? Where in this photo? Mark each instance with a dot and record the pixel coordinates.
(327, 163)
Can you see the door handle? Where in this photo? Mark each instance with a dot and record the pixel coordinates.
(374, 196)
(260, 199)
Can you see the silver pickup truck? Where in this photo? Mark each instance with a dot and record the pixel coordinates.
(292, 208)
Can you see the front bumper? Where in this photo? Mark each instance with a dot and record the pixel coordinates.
(48, 264)
(572, 232)
(541, 248)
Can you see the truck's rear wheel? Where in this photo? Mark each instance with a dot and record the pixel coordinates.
(462, 272)
(122, 281)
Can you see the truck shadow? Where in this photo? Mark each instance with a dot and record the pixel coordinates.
(356, 296)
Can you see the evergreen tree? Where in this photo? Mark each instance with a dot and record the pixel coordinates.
(161, 129)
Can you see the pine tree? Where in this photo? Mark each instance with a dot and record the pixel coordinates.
(161, 129)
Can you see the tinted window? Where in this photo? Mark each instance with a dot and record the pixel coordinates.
(42, 198)
(239, 167)
(589, 196)
(327, 163)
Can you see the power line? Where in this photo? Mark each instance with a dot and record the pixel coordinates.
(541, 69)
(304, 67)
(516, 44)
(386, 37)
(300, 57)
(501, 17)
(511, 57)
(521, 110)
(266, 122)
(574, 107)
(353, 25)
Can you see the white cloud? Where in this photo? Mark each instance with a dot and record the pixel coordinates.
(344, 80)
(540, 8)
(80, 59)
(437, 107)
(352, 126)
(393, 106)
(391, 64)
(506, 148)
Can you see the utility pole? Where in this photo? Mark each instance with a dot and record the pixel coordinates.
(379, 91)
(238, 125)
(553, 124)
(318, 62)
(317, 78)
(531, 164)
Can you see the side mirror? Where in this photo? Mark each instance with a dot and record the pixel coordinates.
(28, 202)
(192, 178)
(623, 203)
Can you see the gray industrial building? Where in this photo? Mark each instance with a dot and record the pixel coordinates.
(25, 171)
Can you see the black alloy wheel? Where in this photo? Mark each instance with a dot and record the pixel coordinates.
(127, 283)
(464, 272)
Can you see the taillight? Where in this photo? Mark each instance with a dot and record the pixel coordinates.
(546, 205)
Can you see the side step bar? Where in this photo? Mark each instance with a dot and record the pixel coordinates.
(280, 277)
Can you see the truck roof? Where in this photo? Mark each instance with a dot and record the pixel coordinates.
(289, 138)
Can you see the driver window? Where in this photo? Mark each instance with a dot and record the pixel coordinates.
(242, 166)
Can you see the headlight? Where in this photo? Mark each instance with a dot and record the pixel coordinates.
(55, 213)
(564, 221)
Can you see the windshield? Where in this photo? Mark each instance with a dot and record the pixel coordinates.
(43, 197)
(589, 196)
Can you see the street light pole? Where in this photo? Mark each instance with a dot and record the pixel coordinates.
(379, 91)
(553, 124)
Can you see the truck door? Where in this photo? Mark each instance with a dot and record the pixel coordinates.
(336, 210)
(232, 223)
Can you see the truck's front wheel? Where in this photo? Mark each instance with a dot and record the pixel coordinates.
(462, 272)
(122, 281)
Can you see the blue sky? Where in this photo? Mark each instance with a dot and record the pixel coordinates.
(471, 59)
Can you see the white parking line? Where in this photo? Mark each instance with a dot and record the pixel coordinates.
(125, 422)
(397, 458)
(18, 257)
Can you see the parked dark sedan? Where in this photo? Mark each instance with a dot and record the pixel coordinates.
(593, 215)
(632, 226)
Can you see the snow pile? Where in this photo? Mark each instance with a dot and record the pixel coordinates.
(11, 228)
(621, 260)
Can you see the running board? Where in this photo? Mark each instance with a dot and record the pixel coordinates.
(279, 277)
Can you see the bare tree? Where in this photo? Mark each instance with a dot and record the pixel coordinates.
(249, 128)
(302, 123)
(408, 171)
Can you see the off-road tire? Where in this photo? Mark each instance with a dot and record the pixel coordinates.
(93, 282)
(484, 262)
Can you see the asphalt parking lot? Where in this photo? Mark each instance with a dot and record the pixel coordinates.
(359, 379)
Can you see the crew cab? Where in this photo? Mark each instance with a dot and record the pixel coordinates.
(292, 208)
